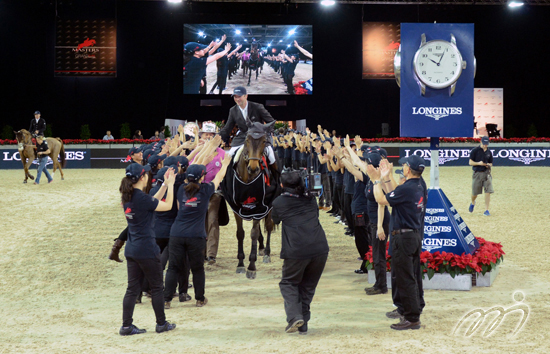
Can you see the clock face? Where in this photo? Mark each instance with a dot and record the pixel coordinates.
(438, 64)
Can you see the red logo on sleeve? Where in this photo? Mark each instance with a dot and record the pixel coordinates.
(127, 211)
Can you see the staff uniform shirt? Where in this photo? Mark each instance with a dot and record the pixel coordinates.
(192, 212)
(139, 214)
(338, 177)
(291, 67)
(407, 202)
(302, 235)
(164, 219)
(223, 66)
(41, 148)
(373, 206)
(194, 71)
(478, 155)
(288, 153)
(349, 182)
(359, 201)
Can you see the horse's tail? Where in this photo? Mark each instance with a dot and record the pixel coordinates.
(62, 153)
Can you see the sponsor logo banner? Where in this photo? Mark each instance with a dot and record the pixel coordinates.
(76, 158)
(501, 156)
(85, 48)
(436, 113)
(380, 43)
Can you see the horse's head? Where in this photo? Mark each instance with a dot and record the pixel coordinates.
(23, 137)
(255, 145)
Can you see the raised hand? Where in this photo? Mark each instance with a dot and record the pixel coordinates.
(180, 128)
(386, 169)
(296, 44)
(226, 160)
(227, 47)
(346, 141)
(373, 173)
(358, 141)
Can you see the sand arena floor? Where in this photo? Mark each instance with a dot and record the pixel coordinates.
(60, 294)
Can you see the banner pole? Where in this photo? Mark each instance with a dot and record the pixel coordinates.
(434, 165)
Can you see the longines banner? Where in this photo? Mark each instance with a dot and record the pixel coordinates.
(438, 111)
(504, 156)
(489, 112)
(85, 48)
(380, 43)
(76, 158)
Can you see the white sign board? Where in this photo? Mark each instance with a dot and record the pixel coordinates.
(489, 110)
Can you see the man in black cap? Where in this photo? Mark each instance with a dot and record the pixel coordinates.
(38, 125)
(407, 202)
(481, 160)
(242, 115)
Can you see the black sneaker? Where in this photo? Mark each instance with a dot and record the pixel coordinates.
(211, 260)
(167, 326)
(184, 297)
(376, 291)
(303, 329)
(394, 314)
(128, 331)
(294, 325)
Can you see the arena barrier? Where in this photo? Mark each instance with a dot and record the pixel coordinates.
(451, 154)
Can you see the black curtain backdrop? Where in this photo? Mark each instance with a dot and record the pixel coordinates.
(510, 48)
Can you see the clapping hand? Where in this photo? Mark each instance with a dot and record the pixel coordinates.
(226, 160)
(373, 173)
(358, 141)
(180, 128)
(169, 177)
(346, 141)
(227, 46)
(385, 168)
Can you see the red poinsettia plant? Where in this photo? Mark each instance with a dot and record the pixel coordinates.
(299, 89)
(91, 141)
(485, 259)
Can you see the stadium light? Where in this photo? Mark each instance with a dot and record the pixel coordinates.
(280, 40)
(175, 1)
(328, 2)
(237, 31)
(246, 40)
(269, 44)
(515, 3)
(288, 45)
(201, 33)
(217, 39)
(237, 44)
(291, 32)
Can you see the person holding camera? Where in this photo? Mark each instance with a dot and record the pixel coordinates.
(304, 249)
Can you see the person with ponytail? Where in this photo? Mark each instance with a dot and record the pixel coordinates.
(141, 252)
(188, 234)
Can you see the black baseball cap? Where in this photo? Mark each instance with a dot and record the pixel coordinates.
(195, 172)
(154, 160)
(239, 91)
(485, 140)
(159, 177)
(374, 159)
(135, 170)
(171, 161)
(415, 162)
(134, 150)
(147, 154)
(36, 112)
(194, 46)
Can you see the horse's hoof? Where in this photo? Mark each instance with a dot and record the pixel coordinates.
(31, 177)
(24, 181)
(62, 178)
(267, 259)
(241, 270)
(251, 274)
(262, 252)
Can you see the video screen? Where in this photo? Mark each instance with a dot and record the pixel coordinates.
(264, 59)
(380, 43)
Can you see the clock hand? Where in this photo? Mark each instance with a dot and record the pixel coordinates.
(440, 58)
(434, 61)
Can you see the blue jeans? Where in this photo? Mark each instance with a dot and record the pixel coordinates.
(42, 167)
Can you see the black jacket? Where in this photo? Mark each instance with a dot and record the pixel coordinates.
(40, 126)
(303, 236)
(256, 113)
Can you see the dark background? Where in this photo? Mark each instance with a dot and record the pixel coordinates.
(510, 46)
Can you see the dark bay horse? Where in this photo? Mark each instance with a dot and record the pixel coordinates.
(27, 152)
(250, 188)
(254, 62)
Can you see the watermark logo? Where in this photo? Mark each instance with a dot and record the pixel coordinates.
(478, 316)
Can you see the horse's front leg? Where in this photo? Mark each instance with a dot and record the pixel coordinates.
(27, 164)
(269, 228)
(254, 234)
(240, 239)
(249, 75)
(261, 242)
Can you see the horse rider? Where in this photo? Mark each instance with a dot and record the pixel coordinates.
(38, 125)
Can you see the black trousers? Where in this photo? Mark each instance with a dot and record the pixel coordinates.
(379, 255)
(337, 205)
(288, 162)
(139, 269)
(362, 243)
(405, 262)
(298, 284)
(347, 209)
(182, 248)
(288, 81)
(326, 198)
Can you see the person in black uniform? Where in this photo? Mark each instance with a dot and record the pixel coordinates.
(481, 160)
(141, 252)
(304, 249)
(292, 62)
(38, 125)
(407, 202)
